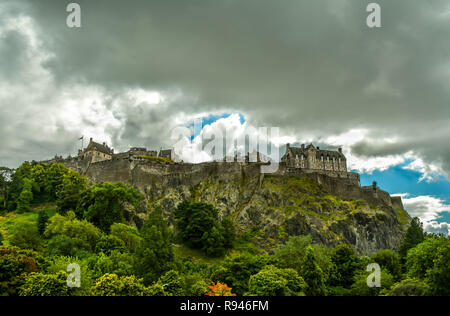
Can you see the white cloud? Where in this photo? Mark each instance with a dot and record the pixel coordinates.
(428, 209)
(429, 172)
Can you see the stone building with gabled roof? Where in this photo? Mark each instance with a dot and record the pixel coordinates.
(314, 158)
(96, 152)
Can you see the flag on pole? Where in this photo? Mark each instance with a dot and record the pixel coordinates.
(81, 138)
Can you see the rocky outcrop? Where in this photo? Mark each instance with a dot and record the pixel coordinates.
(332, 209)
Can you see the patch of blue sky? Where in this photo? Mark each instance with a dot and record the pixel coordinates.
(210, 119)
(399, 180)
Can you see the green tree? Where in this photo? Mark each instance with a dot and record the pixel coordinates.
(389, 260)
(69, 193)
(42, 221)
(14, 262)
(155, 254)
(420, 259)
(104, 204)
(194, 220)
(109, 243)
(414, 236)
(236, 271)
(71, 227)
(228, 232)
(408, 287)
(1, 239)
(360, 287)
(172, 283)
(199, 228)
(213, 243)
(113, 285)
(439, 275)
(47, 180)
(195, 284)
(273, 281)
(25, 236)
(312, 274)
(116, 262)
(17, 184)
(292, 253)
(56, 264)
(39, 284)
(345, 264)
(62, 245)
(25, 197)
(129, 235)
(5, 186)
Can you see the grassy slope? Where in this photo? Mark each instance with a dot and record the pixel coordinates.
(9, 221)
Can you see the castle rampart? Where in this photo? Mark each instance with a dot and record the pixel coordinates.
(135, 168)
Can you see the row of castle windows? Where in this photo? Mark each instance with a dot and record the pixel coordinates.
(313, 159)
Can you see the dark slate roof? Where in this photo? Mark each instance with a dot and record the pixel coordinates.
(298, 151)
(329, 153)
(101, 148)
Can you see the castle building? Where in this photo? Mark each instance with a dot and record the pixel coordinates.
(314, 158)
(96, 152)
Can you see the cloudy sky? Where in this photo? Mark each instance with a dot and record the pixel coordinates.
(136, 69)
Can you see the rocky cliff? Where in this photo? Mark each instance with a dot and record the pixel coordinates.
(332, 209)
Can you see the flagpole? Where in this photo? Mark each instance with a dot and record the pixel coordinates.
(82, 142)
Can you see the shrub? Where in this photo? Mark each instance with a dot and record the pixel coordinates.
(42, 221)
(39, 284)
(109, 243)
(62, 245)
(345, 265)
(199, 228)
(439, 275)
(129, 235)
(312, 274)
(389, 260)
(25, 197)
(25, 236)
(272, 281)
(219, 289)
(113, 285)
(237, 271)
(421, 258)
(360, 287)
(155, 255)
(172, 283)
(104, 204)
(409, 287)
(13, 263)
(73, 228)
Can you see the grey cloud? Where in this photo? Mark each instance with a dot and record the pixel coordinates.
(307, 66)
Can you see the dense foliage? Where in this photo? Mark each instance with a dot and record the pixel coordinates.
(200, 228)
(50, 219)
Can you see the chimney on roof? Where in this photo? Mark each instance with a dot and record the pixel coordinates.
(287, 146)
(104, 144)
(340, 150)
(303, 146)
(318, 147)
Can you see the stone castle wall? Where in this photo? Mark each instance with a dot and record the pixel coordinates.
(144, 175)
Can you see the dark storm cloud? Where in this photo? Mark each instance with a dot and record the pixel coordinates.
(310, 67)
